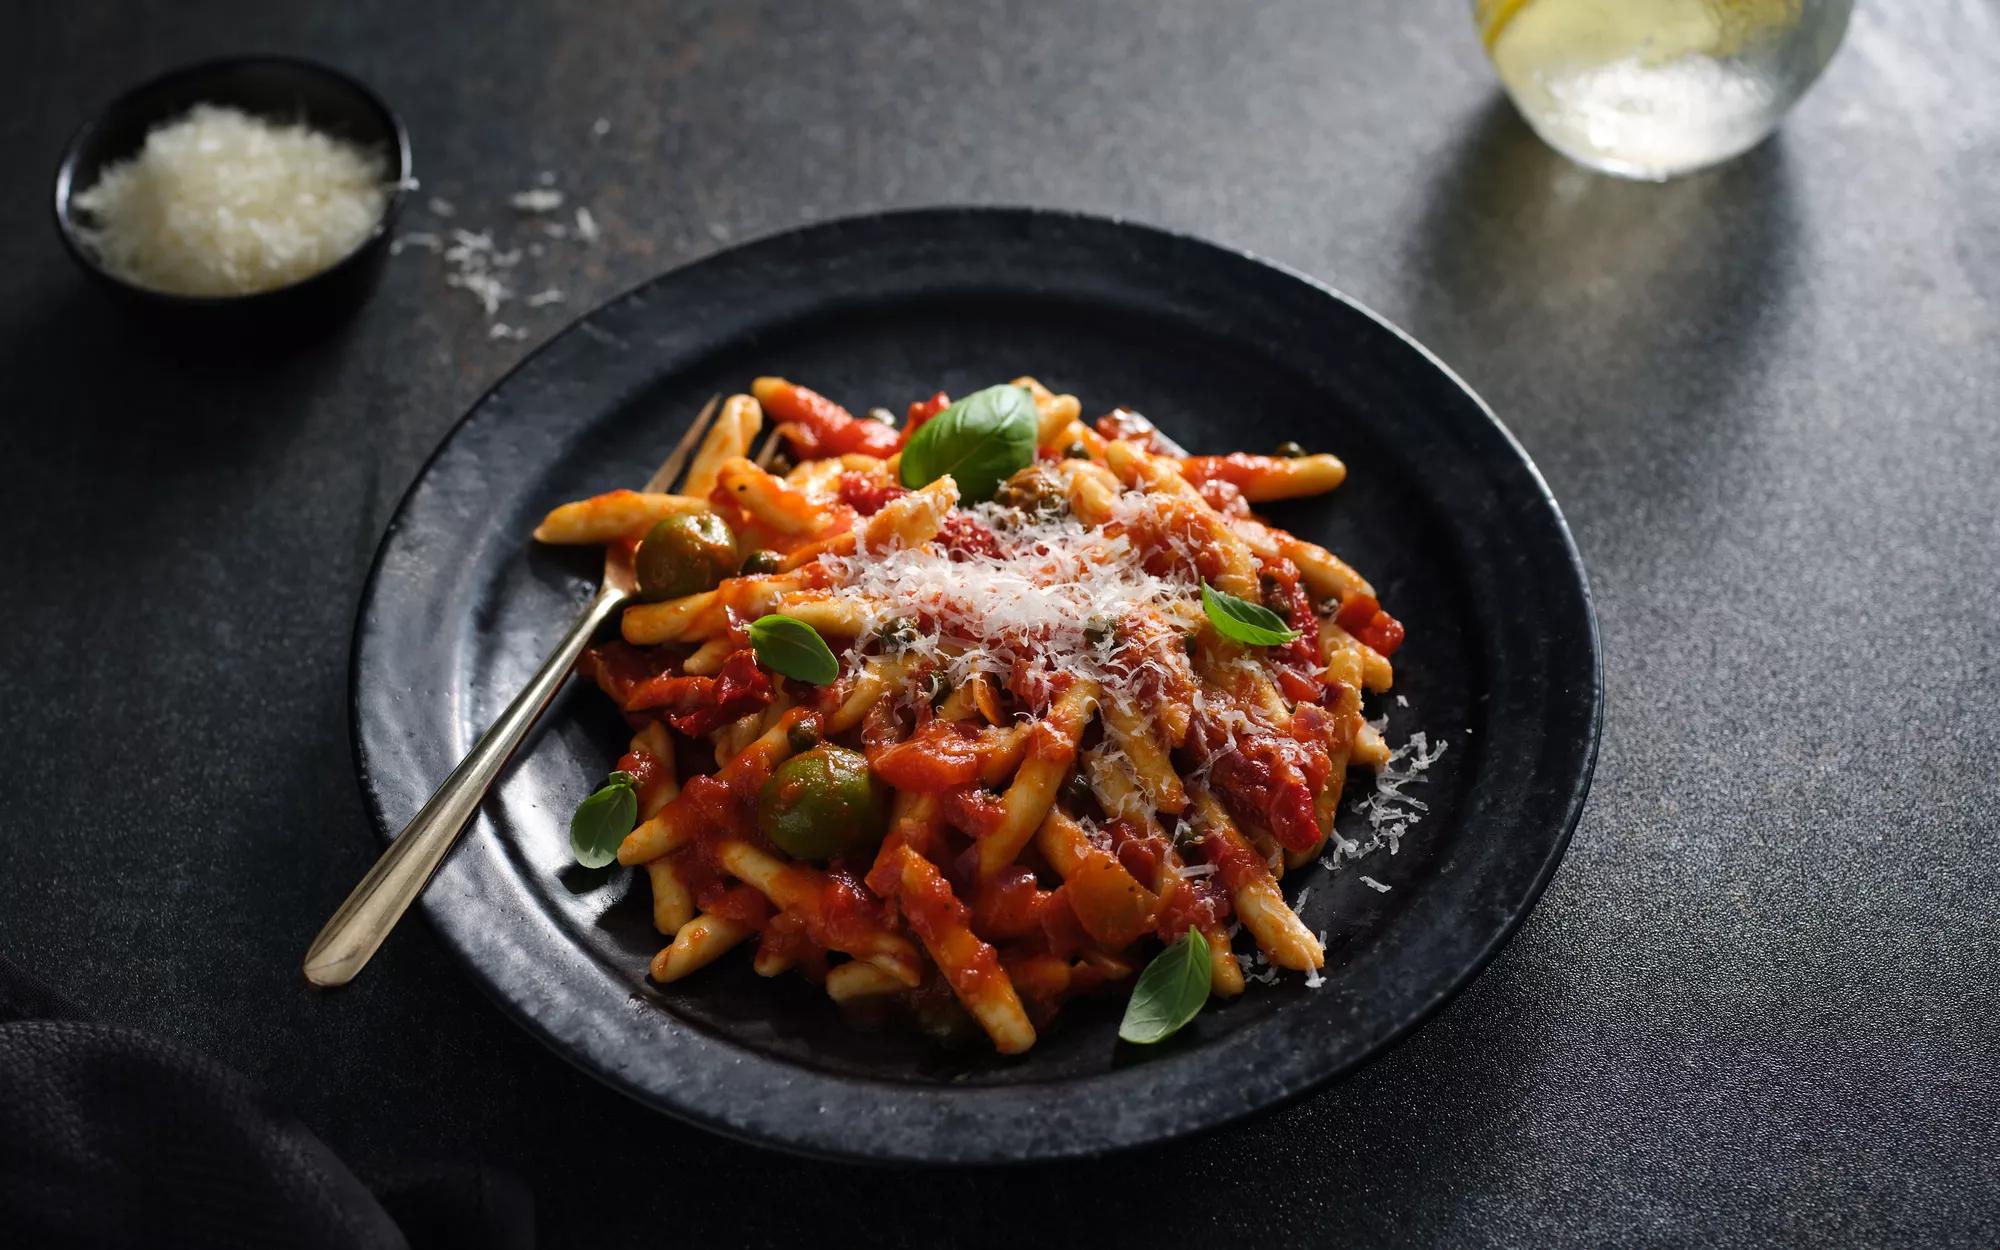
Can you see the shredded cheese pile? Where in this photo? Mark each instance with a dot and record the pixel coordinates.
(1036, 606)
(223, 203)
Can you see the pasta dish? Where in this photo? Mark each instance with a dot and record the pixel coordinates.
(968, 715)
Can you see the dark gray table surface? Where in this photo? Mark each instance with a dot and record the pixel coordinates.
(1760, 1002)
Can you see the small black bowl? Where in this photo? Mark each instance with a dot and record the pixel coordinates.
(275, 87)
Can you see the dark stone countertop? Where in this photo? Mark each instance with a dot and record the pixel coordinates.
(1761, 1001)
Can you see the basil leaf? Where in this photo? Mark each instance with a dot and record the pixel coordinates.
(982, 440)
(1243, 621)
(1170, 991)
(794, 648)
(602, 821)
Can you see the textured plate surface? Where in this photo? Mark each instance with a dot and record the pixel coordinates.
(1441, 510)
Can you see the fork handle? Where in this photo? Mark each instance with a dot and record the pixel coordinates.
(354, 933)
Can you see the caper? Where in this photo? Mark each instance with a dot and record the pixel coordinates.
(762, 560)
(1076, 451)
(1077, 792)
(883, 415)
(803, 735)
(685, 554)
(1290, 450)
(822, 803)
(1099, 631)
(899, 633)
(1035, 490)
(1189, 644)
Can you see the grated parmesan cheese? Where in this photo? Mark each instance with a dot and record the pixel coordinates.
(540, 200)
(222, 203)
(1389, 811)
(1030, 607)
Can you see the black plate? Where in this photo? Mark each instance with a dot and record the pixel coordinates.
(1441, 509)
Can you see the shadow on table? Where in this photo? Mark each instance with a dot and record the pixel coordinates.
(148, 397)
(1595, 305)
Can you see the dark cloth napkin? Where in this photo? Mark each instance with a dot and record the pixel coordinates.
(109, 1137)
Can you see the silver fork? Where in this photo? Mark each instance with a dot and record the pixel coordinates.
(356, 931)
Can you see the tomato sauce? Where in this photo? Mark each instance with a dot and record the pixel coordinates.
(1123, 423)
(848, 914)
(941, 755)
(933, 912)
(1012, 905)
(1266, 777)
(972, 811)
(963, 537)
(1237, 863)
(1225, 497)
(646, 771)
(700, 705)
(821, 428)
(1142, 854)
(921, 412)
(1363, 617)
(1193, 903)
(867, 492)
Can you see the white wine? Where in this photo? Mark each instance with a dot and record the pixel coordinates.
(1654, 88)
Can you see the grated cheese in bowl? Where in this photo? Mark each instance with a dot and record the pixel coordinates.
(219, 203)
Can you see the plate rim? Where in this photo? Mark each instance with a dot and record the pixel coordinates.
(1564, 827)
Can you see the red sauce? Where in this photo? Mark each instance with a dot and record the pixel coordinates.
(699, 705)
(1288, 598)
(1225, 497)
(1237, 864)
(645, 770)
(922, 411)
(964, 537)
(822, 428)
(867, 492)
(1140, 853)
(786, 940)
(1194, 902)
(1012, 905)
(1130, 426)
(939, 756)
(1300, 688)
(618, 666)
(848, 914)
(1267, 778)
(1060, 928)
(1363, 617)
(725, 810)
(740, 903)
(1238, 468)
(934, 912)
(972, 811)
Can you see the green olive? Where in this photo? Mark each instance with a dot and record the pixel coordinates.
(898, 634)
(822, 803)
(762, 560)
(685, 555)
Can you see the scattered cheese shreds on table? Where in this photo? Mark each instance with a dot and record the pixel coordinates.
(487, 263)
(540, 200)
